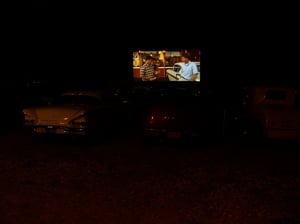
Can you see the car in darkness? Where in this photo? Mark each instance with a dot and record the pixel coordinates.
(183, 115)
(174, 74)
(267, 112)
(70, 113)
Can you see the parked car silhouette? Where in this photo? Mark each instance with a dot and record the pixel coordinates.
(72, 113)
(182, 116)
(270, 112)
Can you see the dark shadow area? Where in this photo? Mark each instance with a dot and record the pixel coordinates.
(39, 4)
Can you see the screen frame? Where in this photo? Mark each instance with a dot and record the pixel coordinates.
(169, 83)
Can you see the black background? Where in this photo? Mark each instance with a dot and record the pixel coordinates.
(79, 48)
(39, 3)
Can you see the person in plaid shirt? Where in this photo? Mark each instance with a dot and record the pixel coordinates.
(147, 71)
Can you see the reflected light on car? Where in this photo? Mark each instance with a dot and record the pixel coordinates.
(151, 119)
(79, 122)
(29, 119)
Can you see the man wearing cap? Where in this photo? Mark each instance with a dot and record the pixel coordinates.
(147, 71)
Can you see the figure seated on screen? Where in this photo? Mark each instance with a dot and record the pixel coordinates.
(186, 70)
(175, 74)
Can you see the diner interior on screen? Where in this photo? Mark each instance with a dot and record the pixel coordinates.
(182, 65)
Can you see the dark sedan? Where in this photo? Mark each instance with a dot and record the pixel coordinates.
(182, 117)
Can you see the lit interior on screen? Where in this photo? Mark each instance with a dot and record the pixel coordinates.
(167, 65)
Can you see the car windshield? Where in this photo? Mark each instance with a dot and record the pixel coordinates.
(275, 95)
(177, 68)
(179, 97)
(77, 100)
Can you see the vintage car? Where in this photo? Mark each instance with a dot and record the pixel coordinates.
(271, 112)
(185, 117)
(175, 75)
(71, 113)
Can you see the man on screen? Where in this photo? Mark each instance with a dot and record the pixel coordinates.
(189, 70)
(147, 71)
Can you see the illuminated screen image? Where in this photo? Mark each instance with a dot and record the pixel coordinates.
(166, 66)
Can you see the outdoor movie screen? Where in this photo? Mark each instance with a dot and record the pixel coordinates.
(166, 65)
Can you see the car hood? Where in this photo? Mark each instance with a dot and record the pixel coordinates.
(172, 72)
(58, 114)
(281, 113)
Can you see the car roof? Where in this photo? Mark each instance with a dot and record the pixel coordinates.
(97, 94)
(180, 63)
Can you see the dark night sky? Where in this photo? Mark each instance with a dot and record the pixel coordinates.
(226, 64)
(39, 3)
(72, 49)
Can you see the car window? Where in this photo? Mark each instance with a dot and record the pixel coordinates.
(176, 68)
(77, 100)
(275, 95)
